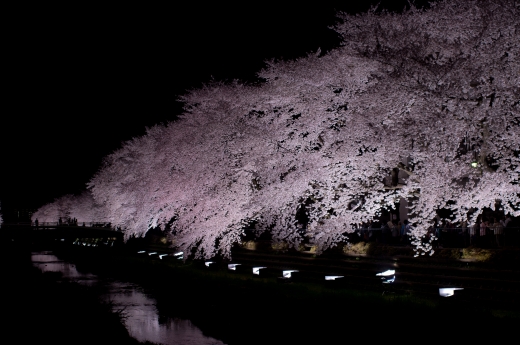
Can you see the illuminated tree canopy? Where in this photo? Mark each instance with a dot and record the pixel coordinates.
(82, 207)
(427, 92)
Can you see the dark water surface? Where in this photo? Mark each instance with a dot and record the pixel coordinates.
(142, 319)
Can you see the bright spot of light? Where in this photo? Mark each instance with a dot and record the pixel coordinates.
(152, 253)
(179, 255)
(232, 267)
(207, 263)
(389, 280)
(141, 252)
(256, 270)
(287, 274)
(332, 277)
(386, 273)
(447, 292)
(161, 256)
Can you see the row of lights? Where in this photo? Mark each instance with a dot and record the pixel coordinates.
(178, 255)
(387, 276)
(84, 243)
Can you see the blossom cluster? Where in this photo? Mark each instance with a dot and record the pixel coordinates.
(433, 94)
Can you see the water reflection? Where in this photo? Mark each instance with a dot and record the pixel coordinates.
(142, 319)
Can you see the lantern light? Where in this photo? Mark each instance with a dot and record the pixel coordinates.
(256, 270)
(386, 273)
(287, 274)
(448, 292)
(332, 277)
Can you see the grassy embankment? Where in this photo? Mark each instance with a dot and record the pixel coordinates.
(242, 309)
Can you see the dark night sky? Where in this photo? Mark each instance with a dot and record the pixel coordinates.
(81, 80)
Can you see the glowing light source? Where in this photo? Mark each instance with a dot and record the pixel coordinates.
(141, 252)
(387, 276)
(474, 164)
(179, 255)
(386, 273)
(447, 292)
(207, 263)
(389, 280)
(287, 274)
(256, 270)
(161, 256)
(332, 277)
(152, 253)
(233, 267)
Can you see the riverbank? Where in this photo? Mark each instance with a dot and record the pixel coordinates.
(242, 309)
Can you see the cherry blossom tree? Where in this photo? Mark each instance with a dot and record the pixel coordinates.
(428, 96)
(82, 207)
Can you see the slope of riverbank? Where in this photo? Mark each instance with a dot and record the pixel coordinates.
(240, 308)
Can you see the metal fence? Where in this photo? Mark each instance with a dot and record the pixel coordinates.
(65, 224)
(446, 237)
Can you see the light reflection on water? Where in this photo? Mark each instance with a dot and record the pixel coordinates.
(142, 319)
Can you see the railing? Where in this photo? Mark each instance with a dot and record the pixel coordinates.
(446, 237)
(464, 237)
(82, 224)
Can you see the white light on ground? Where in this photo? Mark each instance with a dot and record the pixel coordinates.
(332, 277)
(141, 252)
(287, 274)
(179, 255)
(233, 267)
(256, 270)
(447, 292)
(207, 263)
(389, 280)
(161, 256)
(152, 253)
(386, 273)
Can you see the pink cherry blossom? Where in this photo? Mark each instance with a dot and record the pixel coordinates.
(427, 92)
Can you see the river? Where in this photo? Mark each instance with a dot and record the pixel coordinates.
(142, 318)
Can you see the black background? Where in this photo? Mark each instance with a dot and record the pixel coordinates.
(81, 79)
